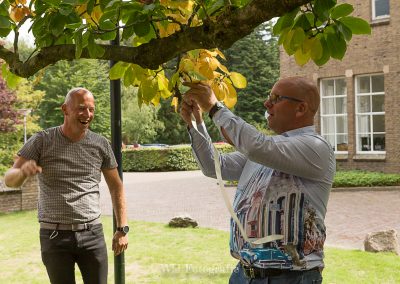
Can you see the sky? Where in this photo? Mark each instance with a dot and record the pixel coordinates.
(23, 34)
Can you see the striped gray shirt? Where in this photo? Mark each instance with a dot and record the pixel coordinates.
(69, 183)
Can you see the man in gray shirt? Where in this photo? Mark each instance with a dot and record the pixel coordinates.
(69, 160)
(283, 181)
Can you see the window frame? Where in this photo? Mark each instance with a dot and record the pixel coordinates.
(373, 11)
(369, 114)
(334, 115)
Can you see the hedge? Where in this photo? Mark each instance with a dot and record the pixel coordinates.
(180, 158)
(175, 158)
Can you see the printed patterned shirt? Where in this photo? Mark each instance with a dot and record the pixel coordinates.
(69, 183)
(284, 184)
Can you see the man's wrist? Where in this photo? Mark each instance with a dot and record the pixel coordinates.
(216, 107)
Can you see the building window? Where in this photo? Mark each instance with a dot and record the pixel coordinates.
(370, 114)
(334, 113)
(380, 9)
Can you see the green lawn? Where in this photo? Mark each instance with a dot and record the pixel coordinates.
(158, 254)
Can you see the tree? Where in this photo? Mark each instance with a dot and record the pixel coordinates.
(8, 114)
(65, 75)
(163, 29)
(139, 125)
(256, 56)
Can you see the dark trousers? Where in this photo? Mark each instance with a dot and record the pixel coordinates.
(86, 248)
(291, 277)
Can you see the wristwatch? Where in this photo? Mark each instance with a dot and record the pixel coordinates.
(215, 108)
(124, 229)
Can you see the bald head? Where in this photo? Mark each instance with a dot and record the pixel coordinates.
(303, 89)
(74, 92)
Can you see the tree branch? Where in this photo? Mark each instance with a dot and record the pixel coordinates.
(222, 32)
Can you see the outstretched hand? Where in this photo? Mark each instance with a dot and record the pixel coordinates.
(188, 109)
(200, 93)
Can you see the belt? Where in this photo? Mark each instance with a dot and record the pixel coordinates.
(255, 272)
(70, 227)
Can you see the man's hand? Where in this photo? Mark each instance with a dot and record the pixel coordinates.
(200, 93)
(119, 242)
(30, 168)
(187, 111)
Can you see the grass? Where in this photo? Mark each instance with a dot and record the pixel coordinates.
(158, 254)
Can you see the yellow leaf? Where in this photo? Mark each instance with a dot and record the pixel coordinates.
(301, 58)
(220, 53)
(231, 97)
(156, 100)
(206, 71)
(223, 69)
(186, 65)
(174, 103)
(307, 44)
(162, 82)
(219, 89)
(238, 80)
(165, 94)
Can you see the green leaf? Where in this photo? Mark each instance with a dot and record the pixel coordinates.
(346, 32)
(356, 25)
(297, 39)
(90, 6)
(286, 42)
(65, 9)
(322, 8)
(316, 51)
(95, 50)
(118, 70)
(4, 23)
(56, 24)
(108, 25)
(4, 9)
(129, 77)
(11, 79)
(238, 80)
(285, 21)
(78, 43)
(142, 28)
(337, 45)
(302, 22)
(4, 32)
(341, 10)
(325, 53)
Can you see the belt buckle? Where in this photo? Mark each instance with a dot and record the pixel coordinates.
(252, 275)
(78, 227)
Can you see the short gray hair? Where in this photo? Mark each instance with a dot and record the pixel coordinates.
(75, 90)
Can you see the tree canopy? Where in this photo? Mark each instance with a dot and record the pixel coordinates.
(158, 30)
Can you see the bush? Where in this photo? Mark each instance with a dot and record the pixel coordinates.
(177, 158)
(358, 178)
(9, 146)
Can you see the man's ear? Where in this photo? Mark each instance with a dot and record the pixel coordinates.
(64, 109)
(302, 109)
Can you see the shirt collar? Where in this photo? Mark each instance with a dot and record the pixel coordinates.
(299, 131)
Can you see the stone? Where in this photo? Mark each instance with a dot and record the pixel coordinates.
(182, 222)
(382, 241)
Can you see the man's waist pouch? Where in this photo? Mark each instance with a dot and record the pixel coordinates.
(69, 227)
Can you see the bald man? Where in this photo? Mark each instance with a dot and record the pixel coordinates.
(69, 160)
(283, 181)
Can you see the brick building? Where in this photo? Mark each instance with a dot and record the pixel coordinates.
(360, 95)
(16, 199)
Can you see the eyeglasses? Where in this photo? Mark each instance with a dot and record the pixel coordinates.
(274, 98)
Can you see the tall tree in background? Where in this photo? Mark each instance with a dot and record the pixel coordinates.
(65, 75)
(139, 124)
(8, 113)
(256, 57)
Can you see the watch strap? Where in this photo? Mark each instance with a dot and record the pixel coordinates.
(215, 108)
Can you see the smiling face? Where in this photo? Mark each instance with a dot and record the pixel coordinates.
(79, 111)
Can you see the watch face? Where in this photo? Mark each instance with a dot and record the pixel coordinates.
(125, 229)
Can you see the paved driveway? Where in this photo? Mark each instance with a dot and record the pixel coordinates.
(158, 197)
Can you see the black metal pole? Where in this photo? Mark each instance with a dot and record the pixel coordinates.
(116, 142)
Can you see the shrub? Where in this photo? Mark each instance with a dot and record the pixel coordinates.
(359, 178)
(176, 158)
